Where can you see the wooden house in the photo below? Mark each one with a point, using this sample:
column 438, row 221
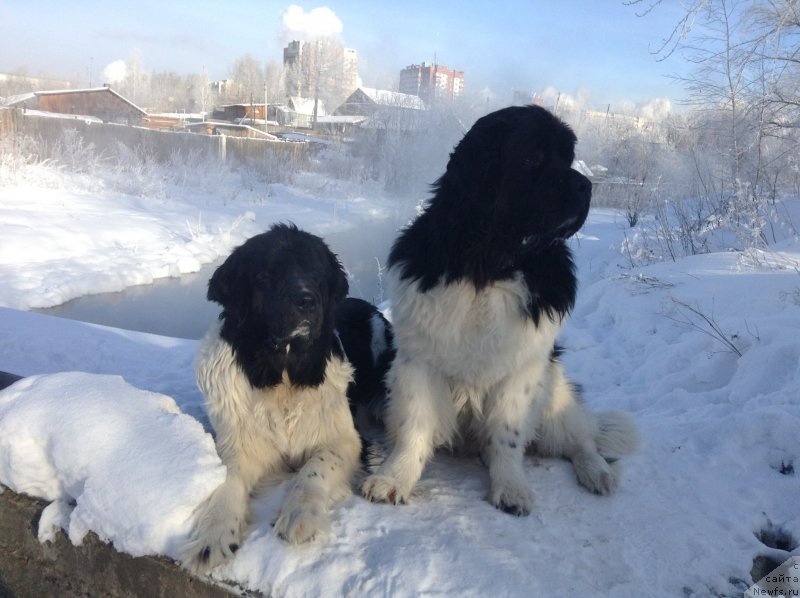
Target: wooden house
column 100, row 102
column 239, row 112
column 384, row 109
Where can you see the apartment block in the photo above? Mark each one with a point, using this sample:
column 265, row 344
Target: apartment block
column 432, row 82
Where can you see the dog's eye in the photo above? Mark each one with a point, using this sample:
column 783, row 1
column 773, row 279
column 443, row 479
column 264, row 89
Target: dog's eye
column 534, row 160
column 304, row 301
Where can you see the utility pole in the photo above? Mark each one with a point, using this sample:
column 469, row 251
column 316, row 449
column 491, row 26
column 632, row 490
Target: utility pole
column 266, row 109
column 203, row 93
column 318, row 74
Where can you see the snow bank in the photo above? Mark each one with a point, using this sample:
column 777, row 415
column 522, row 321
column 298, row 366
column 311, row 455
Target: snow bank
column 122, row 462
column 64, row 236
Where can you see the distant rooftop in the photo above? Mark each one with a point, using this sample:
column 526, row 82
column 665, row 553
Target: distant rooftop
column 393, row 98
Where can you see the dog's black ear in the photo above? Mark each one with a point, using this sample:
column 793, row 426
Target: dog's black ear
column 338, row 281
column 224, row 280
column 475, row 162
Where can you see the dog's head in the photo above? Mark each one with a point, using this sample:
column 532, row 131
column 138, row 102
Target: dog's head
column 278, row 291
column 515, row 168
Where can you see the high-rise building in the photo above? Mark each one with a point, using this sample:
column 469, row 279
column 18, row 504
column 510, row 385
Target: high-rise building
column 320, row 67
column 432, row 82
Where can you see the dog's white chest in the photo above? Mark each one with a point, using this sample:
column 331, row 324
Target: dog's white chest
column 294, row 419
column 471, row 335
column 276, row 426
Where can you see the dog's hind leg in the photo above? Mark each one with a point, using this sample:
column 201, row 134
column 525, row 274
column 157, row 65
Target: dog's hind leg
column 420, row 416
column 567, row 429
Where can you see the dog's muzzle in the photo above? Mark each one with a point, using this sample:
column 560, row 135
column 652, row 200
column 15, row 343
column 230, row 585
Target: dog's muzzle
column 281, row 343
column 302, row 331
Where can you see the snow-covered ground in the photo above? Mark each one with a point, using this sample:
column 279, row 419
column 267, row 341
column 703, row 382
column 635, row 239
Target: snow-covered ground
column 119, row 450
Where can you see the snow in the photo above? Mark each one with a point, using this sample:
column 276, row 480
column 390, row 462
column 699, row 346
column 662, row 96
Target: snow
column 64, row 236
column 77, row 454
column 109, row 426
column 82, row 117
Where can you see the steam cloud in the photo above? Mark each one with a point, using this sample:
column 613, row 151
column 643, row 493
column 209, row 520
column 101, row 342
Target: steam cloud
column 318, row 22
column 115, row 72
column 655, row 109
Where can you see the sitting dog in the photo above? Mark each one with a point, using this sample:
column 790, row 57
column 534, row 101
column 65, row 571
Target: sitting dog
column 480, row 284
column 275, row 377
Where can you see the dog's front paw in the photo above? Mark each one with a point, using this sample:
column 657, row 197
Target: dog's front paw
column 382, row 488
column 217, row 534
column 301, row 524
column 211, row 543
column 595, row 473
column 512, row 497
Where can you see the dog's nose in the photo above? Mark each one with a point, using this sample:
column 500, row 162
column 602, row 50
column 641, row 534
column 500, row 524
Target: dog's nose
column 581, row 186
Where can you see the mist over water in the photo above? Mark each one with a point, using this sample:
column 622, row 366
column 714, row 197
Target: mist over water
column 177, row 307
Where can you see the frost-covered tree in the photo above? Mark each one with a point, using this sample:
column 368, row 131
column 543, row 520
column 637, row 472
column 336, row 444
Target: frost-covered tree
column 274, row 90
column 320, row 69
column 743, row 88
column 248, row 78
column 136, row 84
column 167, row 92
column 197, row 93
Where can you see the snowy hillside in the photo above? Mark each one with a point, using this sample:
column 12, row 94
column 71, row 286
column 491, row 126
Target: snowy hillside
column 704, row 351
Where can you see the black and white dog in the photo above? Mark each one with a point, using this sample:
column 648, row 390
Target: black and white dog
column 480, row 283
column 275, row 378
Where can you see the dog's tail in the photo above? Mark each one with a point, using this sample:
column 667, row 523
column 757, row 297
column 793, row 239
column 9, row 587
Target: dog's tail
column 617, row 434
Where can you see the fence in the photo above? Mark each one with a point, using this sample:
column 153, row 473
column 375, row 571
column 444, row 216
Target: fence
column 8, row 122
column 160, row 145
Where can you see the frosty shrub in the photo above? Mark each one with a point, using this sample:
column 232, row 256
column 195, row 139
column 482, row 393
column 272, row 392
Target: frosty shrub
column 272, row 168
column 16, row 152
column 75, row 153
column 337, row 160
column 742, row 129
column 135, row 171
column 681, row 191
column 185, row 167
column 194, row 168
column 630, row 160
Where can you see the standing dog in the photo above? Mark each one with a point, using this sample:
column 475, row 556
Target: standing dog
column 480, row 284
column 275, row 377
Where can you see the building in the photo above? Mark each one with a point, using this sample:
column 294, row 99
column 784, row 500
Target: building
column 365, row 101
column 321, row 67
column 239, row 112
column 223, row 87
column 299, row 112
column 432, row 82
column 99, row 102
column 384, row 109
